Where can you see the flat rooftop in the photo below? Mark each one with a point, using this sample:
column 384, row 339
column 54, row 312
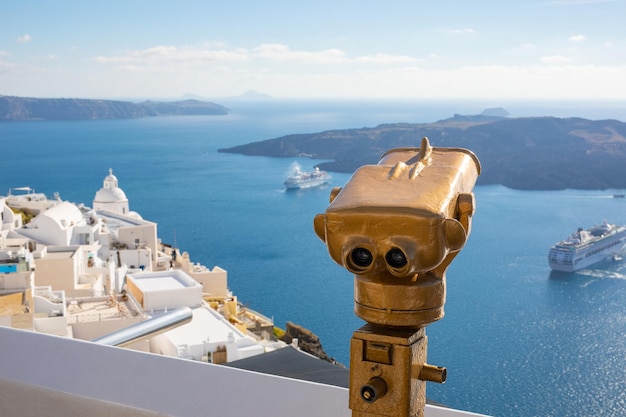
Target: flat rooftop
column 162, row 280
column 207, row 326
column 96, row 310
column 161, row 283
column 114, row 220
column 62, row 254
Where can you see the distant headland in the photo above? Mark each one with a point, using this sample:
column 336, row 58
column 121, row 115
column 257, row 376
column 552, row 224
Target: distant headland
column 533, row 153
column 27, row 108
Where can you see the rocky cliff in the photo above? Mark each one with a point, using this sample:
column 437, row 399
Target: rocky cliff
column 25, row 108
column 307, row 341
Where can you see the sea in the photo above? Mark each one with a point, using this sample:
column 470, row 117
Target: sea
column 516, row 339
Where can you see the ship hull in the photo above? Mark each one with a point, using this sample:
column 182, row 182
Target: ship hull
column 307, row 184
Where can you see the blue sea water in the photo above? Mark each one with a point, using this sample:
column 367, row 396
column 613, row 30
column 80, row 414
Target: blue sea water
column 516, row 340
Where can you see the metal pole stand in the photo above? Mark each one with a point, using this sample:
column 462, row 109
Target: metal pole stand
column 388, row 372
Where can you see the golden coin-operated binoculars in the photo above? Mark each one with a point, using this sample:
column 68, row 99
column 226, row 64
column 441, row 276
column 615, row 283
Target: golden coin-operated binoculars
column 397, row 226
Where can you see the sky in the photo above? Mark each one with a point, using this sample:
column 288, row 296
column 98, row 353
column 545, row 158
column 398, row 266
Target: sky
column 528, row 49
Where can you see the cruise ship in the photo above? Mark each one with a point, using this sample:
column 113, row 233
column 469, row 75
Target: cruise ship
column 99, row 317
column 586, row 247
column 301, row 179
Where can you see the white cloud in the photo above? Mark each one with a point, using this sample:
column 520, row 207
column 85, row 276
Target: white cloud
column 466, row 31
column 555, row 59
column 24, row 38
column 173, row 55
column 280, row 52
column 556, row 81
column 577, row 38
column 548, row 81
column 214, row 69
column 386, row 59
column 133, row 68
column 500, row 81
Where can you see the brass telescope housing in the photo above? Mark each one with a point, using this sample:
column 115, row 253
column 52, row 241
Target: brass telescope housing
column 397, row 226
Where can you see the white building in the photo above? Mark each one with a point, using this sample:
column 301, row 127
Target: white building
column 86, row 273
column 8, row 219
column 164, row 290
column 59, row 226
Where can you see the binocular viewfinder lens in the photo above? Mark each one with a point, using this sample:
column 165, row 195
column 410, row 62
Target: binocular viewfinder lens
column 361, row 257
column 395, row 258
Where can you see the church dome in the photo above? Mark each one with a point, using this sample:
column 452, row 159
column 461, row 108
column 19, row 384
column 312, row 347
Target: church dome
column 111, row 197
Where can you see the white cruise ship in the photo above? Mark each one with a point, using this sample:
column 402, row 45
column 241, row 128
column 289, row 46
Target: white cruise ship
column 301, row 179
column 584, row 248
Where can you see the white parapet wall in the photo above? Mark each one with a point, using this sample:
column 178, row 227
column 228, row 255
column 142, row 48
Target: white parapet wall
column 39, row 371
column 171, row 386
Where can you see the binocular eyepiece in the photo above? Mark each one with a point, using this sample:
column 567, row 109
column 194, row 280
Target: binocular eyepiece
column 362, row 260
